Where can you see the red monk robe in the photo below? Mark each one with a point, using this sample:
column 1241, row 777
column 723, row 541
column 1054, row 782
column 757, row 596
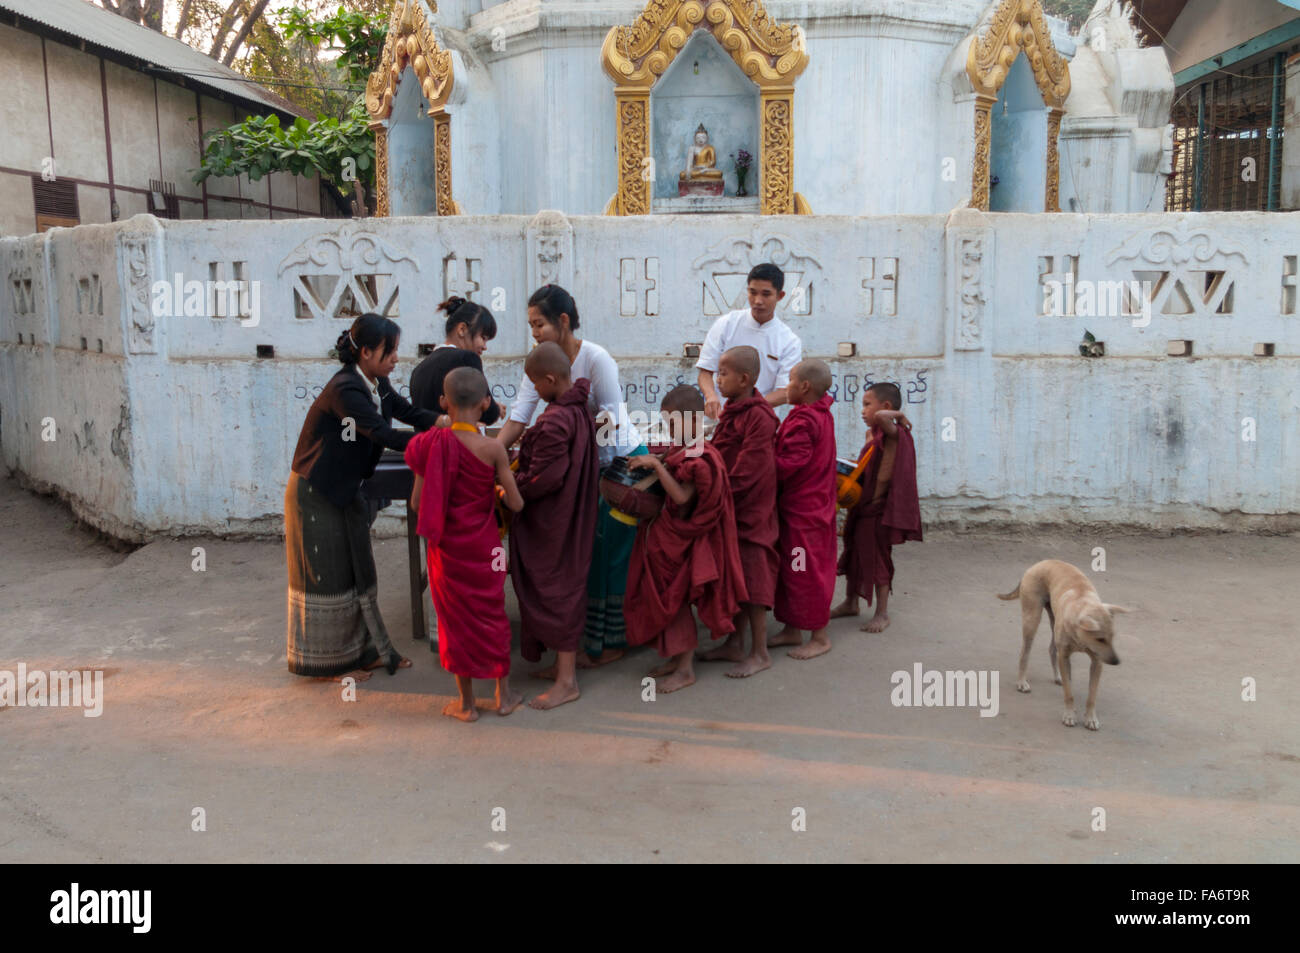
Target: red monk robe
column 686, row 555
column 467, row 572
column 873, row 526
column 551, row 539
column 746, row 438
column 805, row 467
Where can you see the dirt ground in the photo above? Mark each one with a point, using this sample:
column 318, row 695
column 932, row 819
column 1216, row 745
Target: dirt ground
column 200, row 712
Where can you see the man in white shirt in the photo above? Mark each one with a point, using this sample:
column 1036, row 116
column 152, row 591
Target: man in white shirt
column 779, row 348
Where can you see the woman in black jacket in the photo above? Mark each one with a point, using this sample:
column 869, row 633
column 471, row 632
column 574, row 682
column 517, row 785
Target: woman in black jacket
column 334, row 622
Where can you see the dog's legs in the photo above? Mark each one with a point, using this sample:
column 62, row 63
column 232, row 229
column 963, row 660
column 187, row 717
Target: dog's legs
column 1031, row 613
column 1094, row 679
column 1051, row 648
column 1063, row 659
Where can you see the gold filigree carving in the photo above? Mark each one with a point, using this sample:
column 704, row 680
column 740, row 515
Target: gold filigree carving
column 410, row 41
column 980, row 177
column 381, row 172
column 1053, row 203
column 776, row 157
column 801, row 206
column 442, row 164
column 771, row 54
column 633, row 148
column 1013, row 26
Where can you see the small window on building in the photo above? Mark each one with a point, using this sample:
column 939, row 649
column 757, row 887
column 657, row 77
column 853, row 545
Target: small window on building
column 162, row 199
column 56, row 203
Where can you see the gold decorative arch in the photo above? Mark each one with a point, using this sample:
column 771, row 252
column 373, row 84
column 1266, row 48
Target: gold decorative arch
column 1008, row 29
column 771, row 54
column 411, row 41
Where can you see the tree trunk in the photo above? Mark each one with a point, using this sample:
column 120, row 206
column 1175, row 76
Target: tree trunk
column 186, row 8
column 249, row 22
column 153, row 15
column 227, row 19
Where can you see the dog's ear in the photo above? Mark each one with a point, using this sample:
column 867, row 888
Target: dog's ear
column 1114, row 609
column 1088, row 623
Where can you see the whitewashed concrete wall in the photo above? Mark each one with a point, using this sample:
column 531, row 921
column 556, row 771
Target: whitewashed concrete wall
column 177, row 426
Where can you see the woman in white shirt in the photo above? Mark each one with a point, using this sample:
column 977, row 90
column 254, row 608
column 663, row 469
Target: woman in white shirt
column 553, row 316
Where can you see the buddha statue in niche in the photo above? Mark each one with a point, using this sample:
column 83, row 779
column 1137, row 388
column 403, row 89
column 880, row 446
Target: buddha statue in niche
column 701, row 175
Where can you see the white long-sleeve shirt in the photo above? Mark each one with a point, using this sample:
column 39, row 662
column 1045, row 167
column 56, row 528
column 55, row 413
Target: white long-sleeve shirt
column 779, row 348
column 595, row 364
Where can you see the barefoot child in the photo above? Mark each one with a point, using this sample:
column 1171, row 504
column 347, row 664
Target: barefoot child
column 805, row 467
column 687, row 554
column 552, row 539
column 746, row 438
column 888, row 512
column 455, row 471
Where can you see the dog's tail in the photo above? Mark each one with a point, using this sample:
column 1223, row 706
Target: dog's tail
column 1015, row 594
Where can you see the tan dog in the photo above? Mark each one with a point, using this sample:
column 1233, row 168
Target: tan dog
column 1080, row 622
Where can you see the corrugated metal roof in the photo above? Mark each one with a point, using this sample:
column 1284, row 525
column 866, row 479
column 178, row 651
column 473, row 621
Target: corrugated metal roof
column 95, row 25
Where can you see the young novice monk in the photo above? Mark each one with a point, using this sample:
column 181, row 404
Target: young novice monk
column 888, row 512
column 456, row 469
column 746, row 438
column 688, row 553
column 551, row 540
column 805, row 467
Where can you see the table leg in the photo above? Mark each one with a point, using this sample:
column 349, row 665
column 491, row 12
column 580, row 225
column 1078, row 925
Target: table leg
column 416, row 577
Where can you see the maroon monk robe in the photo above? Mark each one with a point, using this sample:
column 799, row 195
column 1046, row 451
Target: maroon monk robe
column 870, row 529
column 746, row 438
column 467, row 575
column 805, row 467
column 551, row 539
column 686, row 555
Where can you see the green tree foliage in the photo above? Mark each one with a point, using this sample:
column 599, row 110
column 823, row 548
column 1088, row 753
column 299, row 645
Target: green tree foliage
column 329, row 59
column 1072, row 11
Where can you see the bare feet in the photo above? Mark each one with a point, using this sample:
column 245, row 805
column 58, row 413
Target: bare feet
column 787, row 636
column 819, row 644
column 845, row 608
column 751, row 665
column 604, row 658
column 877, row 623
column 455, row 709
column 547, row 674
column 729, row 651
column 360, row 675
column 667, row 668
column 557, row 696
column 677, row 679
column 508, row 703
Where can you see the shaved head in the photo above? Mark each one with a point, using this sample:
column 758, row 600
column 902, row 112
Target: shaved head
column 743, row 359
column 548, row 358
column 683, row 399
column 888, row 393
column 815, row 373
column 465, row 388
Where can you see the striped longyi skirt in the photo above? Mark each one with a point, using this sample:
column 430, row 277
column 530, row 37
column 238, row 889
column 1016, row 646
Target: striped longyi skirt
column 334, row 623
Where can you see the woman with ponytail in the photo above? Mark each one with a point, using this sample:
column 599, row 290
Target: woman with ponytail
column 334, row 622
column 469, row 327
column 553, row 316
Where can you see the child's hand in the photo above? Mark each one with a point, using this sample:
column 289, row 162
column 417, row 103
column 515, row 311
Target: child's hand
column 644, row 461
